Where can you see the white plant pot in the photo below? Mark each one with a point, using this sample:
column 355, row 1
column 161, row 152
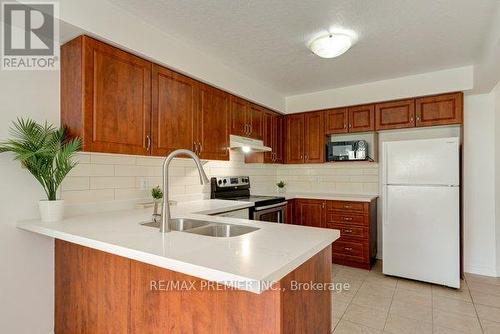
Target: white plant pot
column 51, row 211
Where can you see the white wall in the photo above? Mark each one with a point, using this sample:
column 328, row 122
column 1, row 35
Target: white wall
column 26, row 278
column 456, row 79
column 496, row 97
column 479, row 184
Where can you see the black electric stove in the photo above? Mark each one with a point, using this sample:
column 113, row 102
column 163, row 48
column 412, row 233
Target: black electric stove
column 237, row 188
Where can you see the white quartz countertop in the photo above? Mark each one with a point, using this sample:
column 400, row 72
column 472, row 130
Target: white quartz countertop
column 325, row 196
column 249, row 262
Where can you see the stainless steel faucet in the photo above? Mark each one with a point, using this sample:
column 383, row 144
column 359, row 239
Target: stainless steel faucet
column 165, row 219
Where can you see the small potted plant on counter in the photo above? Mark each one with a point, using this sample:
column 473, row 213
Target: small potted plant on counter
column 157, row 194
column 46, row 152
column 281, row 186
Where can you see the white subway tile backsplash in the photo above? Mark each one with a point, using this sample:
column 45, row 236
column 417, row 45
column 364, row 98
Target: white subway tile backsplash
column 92, row 170
column 82, row 157
column 87, row 196
column 112, row 177
column 125, row 170
column 75, row 183
column 121, row 194
column 112, row 159
column 112, row 182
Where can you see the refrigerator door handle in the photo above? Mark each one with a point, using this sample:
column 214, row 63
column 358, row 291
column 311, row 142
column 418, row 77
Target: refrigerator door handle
column 384, row 206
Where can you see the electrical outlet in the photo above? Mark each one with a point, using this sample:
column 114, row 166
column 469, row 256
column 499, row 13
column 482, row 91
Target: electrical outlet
column 143, row 183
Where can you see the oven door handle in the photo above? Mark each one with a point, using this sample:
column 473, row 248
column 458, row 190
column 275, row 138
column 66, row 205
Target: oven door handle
column 260, row 208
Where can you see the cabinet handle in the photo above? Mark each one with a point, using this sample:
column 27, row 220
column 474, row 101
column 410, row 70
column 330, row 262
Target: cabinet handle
column 347, row 206
column 411, row 119
column 418, row 118
column 323, row 205
column 250, row 129
column 348, row 231
column 350, row 125
column 347, row 218
column 345, row 126
column 148, row 143
column 348, row 249
column 200, row 147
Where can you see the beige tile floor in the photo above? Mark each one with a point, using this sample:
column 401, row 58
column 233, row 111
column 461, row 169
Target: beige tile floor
column 376, row 303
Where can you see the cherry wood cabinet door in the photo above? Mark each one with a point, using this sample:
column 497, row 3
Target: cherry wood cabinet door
column 174, row 109
column 314, row 138
column 336, row 121
column 239, row 111
column 278, row 148
column 269, row 136
column 294, row 139
column 310, row 212
column 213, row 123
column 395, row 115
column 440, row 109
column 362, row 118
column 117, row 100
column 256, row 121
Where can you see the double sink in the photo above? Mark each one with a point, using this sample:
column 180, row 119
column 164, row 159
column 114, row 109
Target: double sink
column 206, row 228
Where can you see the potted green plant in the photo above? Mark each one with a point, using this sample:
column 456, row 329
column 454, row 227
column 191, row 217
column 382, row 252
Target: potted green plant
column 46, row 152
column 281, row 186
column 157, row 195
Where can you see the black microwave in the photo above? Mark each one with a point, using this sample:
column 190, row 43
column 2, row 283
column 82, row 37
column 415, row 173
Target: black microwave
column 347, row 150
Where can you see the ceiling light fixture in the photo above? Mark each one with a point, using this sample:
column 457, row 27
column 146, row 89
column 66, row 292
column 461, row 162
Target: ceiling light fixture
column 330, row 46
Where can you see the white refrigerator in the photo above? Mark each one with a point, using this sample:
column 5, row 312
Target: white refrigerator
column 421, row 210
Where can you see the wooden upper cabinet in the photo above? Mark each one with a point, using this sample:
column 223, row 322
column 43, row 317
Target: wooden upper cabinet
column 336, row 121
column 294, row 139
column 278, row 148
column 106, row 97
column 439, row 110
column 239, row 116
column 269, row 137
column 247, row 119
column 213, row 123
column 174, row 111
column 256, row 121
column 314, row 137
column 362, row 118
column 395, row 114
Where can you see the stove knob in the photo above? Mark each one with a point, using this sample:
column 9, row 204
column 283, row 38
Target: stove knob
column 225, row 181
column 219, row 182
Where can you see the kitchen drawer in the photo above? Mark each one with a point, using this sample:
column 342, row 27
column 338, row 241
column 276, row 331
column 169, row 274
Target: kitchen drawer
column 339, row 218
column 350, row 231
column 347, row 206
column 350, row 250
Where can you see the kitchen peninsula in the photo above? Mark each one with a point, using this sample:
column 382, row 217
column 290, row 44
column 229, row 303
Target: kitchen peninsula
column 114, row 275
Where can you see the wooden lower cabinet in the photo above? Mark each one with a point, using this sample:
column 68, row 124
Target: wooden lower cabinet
column 98, row 292
column 310, row 212
column 356, row 221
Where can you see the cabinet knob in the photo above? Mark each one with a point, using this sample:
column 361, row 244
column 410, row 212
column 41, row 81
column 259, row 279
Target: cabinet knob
column 418, row 118
column 350, row 125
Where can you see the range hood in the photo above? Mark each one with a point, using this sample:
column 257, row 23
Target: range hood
column 247, row 144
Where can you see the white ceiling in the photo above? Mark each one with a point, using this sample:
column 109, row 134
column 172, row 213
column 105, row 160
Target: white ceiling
column 266, row 39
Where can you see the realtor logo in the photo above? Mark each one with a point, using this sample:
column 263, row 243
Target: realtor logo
column 30, row 36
